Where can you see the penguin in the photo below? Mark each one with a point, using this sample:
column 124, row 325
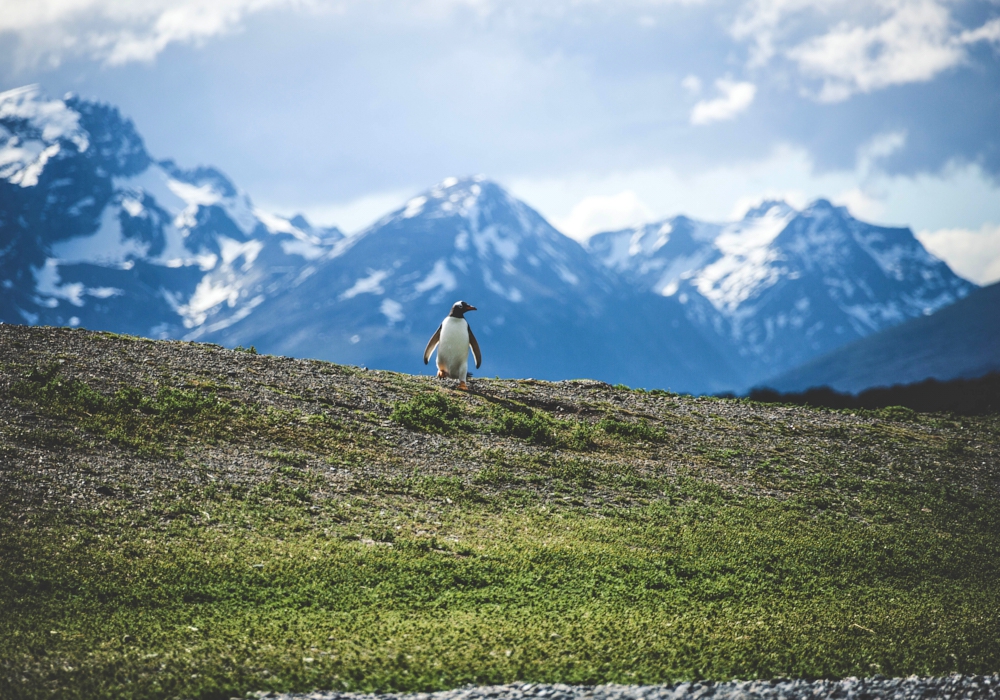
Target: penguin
column 452, row 339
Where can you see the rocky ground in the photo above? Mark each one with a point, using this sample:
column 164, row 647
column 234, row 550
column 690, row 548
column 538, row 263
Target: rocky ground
column 735, row 444
column 913, row 688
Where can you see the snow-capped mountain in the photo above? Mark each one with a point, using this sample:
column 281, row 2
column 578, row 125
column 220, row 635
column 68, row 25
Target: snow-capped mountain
column 94, row 232
column 782, row 286
column 547, row 309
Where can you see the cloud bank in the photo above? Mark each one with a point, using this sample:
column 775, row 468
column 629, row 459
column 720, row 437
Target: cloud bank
column 117, row 32
column 902, row 41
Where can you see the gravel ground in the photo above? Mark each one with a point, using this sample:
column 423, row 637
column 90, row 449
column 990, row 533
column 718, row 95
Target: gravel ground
column 721, row 441
column 949, row 687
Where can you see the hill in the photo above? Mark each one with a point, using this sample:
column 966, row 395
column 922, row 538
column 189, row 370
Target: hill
column 179, row 519
column 961, row 341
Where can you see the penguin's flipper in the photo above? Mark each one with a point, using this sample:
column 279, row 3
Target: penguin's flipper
column 431, row 344
column 475, row 348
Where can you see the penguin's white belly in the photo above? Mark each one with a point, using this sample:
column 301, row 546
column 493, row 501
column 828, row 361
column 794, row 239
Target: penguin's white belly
column 453, row 348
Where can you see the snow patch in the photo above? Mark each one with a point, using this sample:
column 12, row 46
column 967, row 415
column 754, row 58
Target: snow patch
column 372, row 284
column 238, row 208
column 490, row 237
column 49, row 287
column 747, row 264
column 47, row 284
column 133, row 207
column 23, row 164
column 566, row 276
column 513, row 294
column 277, row 224
column 231, row 250
column 153, row 181
column 440, row 277
column 209, row 294
column 414, row 207
column 240, row 314
column 304, row 249
column 22, row 161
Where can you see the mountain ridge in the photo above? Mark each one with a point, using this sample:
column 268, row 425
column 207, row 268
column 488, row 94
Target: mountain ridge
column 98, row 233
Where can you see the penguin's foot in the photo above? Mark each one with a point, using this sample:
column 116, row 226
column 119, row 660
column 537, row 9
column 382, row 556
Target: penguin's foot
column 442, row 374
column 463, row 386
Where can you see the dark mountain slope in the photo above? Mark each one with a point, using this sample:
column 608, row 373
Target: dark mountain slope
column 958, row 341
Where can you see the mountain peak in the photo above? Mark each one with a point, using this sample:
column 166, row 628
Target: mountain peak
column 769, row 207
column 824, row 207
column 39, row 128
column 464, row 197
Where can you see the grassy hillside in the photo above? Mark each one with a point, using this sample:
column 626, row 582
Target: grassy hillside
column 185, row 520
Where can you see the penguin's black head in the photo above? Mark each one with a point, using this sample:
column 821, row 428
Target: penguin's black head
column 460, row 307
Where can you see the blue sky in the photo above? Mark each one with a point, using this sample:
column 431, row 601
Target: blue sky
column 599, row 113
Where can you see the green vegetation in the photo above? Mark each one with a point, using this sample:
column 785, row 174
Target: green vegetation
column 128, row 417
column 372, row 531
column 521, row 422
column 430, row 412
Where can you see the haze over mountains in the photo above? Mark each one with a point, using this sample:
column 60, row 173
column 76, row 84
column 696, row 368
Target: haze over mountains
column 95, row 232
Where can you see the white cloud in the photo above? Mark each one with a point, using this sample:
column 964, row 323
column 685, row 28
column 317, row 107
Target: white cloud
column 692, row 84
column 864, row 205
column 988, row 32
column 120, row 31
column 960, row 196
column 351, row 216
column 902, row 41
column 603, row 213
column 972, row 254
column 913, row 44
column 880, row 146
column 736, row 98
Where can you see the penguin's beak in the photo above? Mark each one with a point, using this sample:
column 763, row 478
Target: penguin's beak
column 470, row 307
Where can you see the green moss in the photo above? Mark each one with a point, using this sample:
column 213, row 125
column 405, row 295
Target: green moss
column 403, row 598
column 534, row 427
column 129, row 417
column 292, row 459
column 429, row 412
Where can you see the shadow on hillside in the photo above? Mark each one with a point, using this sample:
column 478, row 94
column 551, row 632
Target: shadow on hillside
column 971, row 397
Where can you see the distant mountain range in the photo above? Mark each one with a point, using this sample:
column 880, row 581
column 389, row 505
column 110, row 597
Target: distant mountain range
column 94, row 232
column 961, row 341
